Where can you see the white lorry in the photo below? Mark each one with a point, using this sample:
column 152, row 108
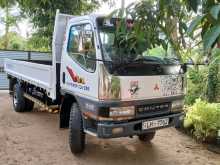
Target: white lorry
column 97, row 92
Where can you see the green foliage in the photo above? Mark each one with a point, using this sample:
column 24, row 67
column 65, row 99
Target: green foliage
column 143, row 35
column 16, row 42
column 204, row 81
column 214, row 11
column 196, row 84
column 211, row 36
column 159, row 23
column 215, row 56
column 6, row 3
column 9, row 20
column 38, row 43
column 193, row 4
column 193, row 25
column 213, row 84
column 157, row 52
column 42, row 12
column 203, row 120
column 208, row 22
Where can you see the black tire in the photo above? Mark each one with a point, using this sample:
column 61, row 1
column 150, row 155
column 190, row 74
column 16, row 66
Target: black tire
column 12, row 83
column 20, row 103
column 179, row 124
column 147, row 137
column 29, row 105
column 76, row 133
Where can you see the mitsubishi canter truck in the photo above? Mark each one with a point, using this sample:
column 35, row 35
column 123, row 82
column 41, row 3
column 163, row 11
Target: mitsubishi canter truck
column 97, row 91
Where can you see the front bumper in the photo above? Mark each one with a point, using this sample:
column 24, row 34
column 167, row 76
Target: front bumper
column 105, row 130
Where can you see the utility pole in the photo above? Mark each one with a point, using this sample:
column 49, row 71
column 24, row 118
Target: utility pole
column 122, row 11
column 122, row 4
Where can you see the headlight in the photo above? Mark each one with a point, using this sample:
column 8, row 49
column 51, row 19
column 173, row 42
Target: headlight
column 122, row 111
column 177, row 105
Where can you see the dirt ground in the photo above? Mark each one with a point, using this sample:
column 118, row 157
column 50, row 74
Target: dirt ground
column 35, row 139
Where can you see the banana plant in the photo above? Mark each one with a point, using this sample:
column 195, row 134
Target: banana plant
column 206, row 21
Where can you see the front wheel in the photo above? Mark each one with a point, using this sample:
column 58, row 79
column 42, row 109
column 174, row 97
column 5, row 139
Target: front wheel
column 147, row 137
column 76, row 133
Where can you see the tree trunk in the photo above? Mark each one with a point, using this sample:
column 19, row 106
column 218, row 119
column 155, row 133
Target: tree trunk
column 218, row 45
column 7, row 24
column 172, row 30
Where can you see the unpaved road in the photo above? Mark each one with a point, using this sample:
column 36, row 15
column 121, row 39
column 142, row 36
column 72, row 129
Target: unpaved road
column 35, row 139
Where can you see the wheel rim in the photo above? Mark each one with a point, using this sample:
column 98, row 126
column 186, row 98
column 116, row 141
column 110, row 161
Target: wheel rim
column 15, row 99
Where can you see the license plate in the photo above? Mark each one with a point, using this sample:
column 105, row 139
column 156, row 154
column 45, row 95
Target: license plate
column 155, row 123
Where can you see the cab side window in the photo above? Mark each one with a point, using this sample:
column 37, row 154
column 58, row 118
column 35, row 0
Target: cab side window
column 81, row 47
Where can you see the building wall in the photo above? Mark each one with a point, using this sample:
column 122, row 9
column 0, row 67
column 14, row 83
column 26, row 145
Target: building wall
column 22, row 55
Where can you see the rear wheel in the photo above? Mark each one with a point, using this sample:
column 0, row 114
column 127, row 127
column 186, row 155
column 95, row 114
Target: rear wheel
column 147, row 137
column 12, row 83
column 76, row 133
column 20, row 103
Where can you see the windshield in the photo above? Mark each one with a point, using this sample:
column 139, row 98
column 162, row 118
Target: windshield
column 107, row 40
column 118, row 48
column 110, row 51
column 120, row 55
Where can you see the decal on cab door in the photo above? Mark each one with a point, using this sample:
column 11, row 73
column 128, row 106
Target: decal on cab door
column 77, row 81
column 75, row 77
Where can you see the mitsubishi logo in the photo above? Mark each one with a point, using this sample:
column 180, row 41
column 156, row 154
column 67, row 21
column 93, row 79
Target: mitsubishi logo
column 156, row 87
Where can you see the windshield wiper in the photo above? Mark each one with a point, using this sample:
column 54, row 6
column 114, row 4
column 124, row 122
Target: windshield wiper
column 172, row 60
column 149, row 60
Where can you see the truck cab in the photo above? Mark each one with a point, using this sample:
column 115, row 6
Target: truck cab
column 99, row 90
column 118, row 98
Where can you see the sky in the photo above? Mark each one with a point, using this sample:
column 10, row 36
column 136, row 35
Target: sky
column 24, row 27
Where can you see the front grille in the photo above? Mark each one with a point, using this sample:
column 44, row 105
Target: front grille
column 152, row 109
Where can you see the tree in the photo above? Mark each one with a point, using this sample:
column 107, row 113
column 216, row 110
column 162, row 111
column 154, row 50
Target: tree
column 42, row 12
column 9, row 20
column 207, row 21
column 38, row 43
column 161, row 22
column 15, row 42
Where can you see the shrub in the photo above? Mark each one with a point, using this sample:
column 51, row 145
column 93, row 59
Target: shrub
column 204, row 81
column 196, row 84
column 203, row 120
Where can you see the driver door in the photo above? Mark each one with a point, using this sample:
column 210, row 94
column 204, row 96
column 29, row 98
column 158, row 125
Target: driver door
column 78, row 68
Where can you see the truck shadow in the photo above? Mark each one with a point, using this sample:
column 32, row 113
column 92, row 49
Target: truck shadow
column 129, row 151
column 120, row 151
